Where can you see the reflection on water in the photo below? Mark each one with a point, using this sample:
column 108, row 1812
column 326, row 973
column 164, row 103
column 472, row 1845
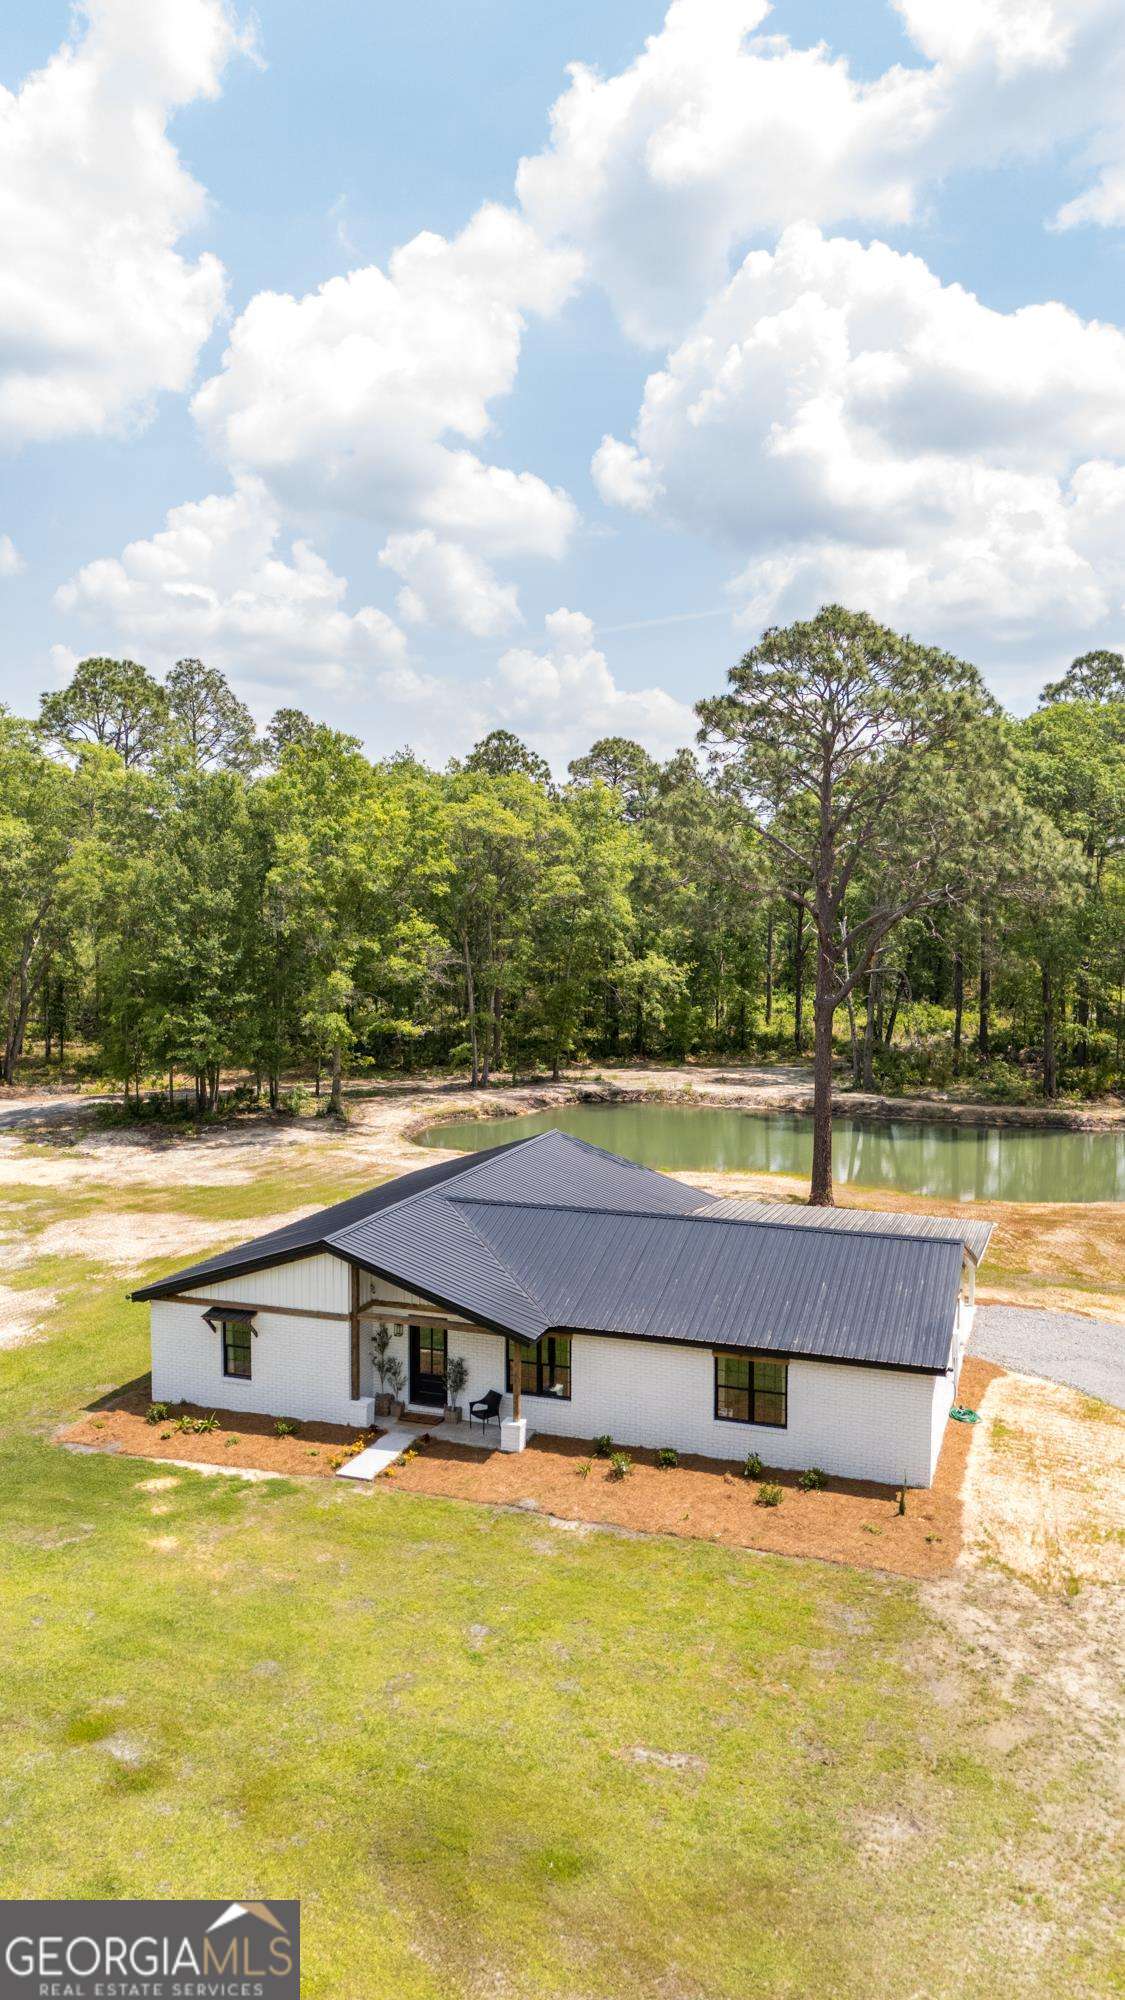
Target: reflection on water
column 959, row 1163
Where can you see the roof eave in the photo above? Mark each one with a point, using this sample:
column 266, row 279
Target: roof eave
column 191, row 1275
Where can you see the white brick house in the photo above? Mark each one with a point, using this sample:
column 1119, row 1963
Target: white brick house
column 616, row 1299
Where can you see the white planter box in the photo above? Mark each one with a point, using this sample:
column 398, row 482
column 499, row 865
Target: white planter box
column 513, row 1434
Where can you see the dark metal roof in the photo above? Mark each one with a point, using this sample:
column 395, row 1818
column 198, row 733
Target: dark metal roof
column 868, row 1221
column 311, row 1232
column 886, row 1300
column 553, row 1233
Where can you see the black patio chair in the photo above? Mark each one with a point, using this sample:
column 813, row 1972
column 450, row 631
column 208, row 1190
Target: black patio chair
column 487, row 1408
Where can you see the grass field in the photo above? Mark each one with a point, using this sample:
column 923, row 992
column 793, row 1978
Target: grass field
column 493, row 1757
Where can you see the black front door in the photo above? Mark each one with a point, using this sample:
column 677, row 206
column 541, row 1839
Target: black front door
column 427, row 1366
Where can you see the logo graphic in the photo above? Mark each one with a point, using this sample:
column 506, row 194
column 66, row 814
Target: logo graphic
column 235, row 1910
column 150, row 1950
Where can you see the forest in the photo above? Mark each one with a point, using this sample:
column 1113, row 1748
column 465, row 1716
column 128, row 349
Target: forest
column 862, row 854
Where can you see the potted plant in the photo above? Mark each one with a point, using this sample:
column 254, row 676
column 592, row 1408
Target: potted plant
column 389, row 1370
column 456, row 1379
column 394, row 1384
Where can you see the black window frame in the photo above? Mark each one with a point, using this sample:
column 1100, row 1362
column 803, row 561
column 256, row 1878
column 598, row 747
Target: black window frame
column 752, row 1362
column 228, row 1324
column 541, row 1355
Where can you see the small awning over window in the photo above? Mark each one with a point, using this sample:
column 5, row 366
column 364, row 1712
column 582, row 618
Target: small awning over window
column 217, row 1316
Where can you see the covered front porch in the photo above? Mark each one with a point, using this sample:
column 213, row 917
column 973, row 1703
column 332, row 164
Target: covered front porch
column 423, row 1363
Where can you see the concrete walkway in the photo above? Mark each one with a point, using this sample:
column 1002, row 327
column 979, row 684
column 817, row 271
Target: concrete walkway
column 1086, row 1354
column 375, row 1458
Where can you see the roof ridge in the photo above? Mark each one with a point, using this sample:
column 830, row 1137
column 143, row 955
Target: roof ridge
column 674, row 1215
column 829, row 1229
column 518, row 1283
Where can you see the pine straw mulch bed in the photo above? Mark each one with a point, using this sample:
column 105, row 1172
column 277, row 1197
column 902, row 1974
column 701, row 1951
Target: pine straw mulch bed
column 118, row 1424
column 850, row 1521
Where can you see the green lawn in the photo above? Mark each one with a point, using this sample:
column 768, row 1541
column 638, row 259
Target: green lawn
column 422, row 1717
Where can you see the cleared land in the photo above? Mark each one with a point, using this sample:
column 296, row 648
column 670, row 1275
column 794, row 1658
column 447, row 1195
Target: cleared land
column 496, row 1757
column 1066, row 1256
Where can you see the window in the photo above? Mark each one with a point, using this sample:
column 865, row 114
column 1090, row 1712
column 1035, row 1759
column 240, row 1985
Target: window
column 544, row 1369
column 237, row 1334
column 751, row 1392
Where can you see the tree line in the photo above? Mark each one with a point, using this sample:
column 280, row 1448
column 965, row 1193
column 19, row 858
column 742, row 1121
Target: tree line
column 860, row 837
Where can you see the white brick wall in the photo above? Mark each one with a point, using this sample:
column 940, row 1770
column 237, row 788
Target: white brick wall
column 860, row 1423
column 301, row 1367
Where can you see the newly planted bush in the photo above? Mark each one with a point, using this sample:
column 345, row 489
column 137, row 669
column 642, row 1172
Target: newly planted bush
column 753, row 1466
column 768, row 1496
column 285, row 1427
column 603, row 1445
column 156, row 1413
column 812, row 1481
column 620, row 1465
column 667, row 1457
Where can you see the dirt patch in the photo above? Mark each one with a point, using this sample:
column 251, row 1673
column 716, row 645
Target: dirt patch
column 126, row 1240
column 22, row 1314
column 1063, row 1254
column 240, row 1441
column 851, row 1521
column 667, row 1760
column 1046, row 1493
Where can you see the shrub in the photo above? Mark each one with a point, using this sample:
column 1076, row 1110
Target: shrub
column 812, row 1481
column 603, row 1446
column 156, row 1413
column 667, row 1457
column 293, row 1101
column 584, row 1467
column 285, row 1427
column 202, row 1424
column 753, row 1466
column 768, row 1496
column 620, row 1465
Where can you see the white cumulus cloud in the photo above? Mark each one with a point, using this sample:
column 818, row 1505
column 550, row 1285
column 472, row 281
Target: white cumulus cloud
column 559, row 697
column 719, row 134
column 11, row 561
column 99, row 310
column 216, row 582
column 445, row 584
column 854, row 428
column 368, row 395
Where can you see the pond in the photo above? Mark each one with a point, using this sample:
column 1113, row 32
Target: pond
column 956, row 1163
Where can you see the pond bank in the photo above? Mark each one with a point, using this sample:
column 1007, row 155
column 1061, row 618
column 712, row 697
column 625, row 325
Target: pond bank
column 1064, row 1256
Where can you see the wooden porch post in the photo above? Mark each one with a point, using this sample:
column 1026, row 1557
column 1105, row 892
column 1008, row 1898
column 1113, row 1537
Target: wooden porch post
column 517, row 1381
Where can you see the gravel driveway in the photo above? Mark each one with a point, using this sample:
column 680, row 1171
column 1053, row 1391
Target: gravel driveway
column 1087, row 1354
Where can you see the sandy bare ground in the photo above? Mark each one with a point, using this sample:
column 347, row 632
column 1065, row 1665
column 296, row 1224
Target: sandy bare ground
column 1045, row 1493
column 126, row 1241
column 50, row 1142
column 22, row 1314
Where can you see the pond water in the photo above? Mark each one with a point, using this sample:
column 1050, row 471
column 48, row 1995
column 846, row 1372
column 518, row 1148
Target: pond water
column 957, row 1163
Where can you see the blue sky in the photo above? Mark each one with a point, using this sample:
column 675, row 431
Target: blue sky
column 841, row 286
